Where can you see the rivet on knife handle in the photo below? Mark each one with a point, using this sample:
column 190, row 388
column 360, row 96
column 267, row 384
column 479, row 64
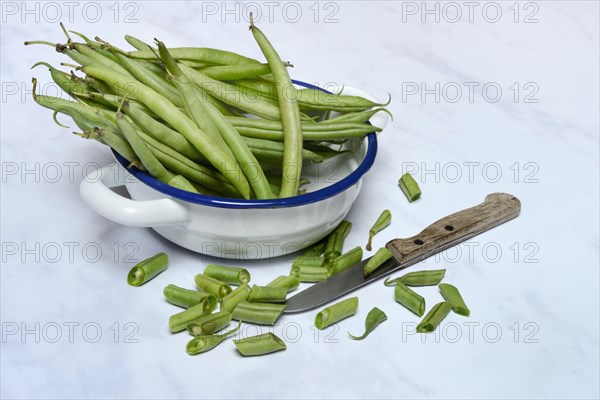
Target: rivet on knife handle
column 448, row 231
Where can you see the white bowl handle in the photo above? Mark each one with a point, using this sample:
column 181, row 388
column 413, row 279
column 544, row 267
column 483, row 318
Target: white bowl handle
column 380, row 119
column 95, row 191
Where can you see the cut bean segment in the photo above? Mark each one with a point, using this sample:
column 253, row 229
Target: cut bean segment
column 231, row 275
column 380, row 257
column 335, row 241
column 345, row 261
column 374, row 318
column 259, row 345
column 202, row 344
column 309, row 273
column 452, row 296
column 148, row 269
column 336, row 312
column 258, row 313
column 409, row 299
column 209, row 324
column 187, row 298
column 418, row 278
column 179, row 322
column 309, row 261
column 410, row 187
column 288, row 282
column 382, row 222
column 434, row 317
column 230, row 301
column 267, row 294
column 212, row 286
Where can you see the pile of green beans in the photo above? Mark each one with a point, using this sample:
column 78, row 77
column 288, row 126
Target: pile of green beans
column 203, row 120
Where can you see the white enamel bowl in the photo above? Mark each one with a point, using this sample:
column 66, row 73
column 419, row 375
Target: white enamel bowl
column 232, row 228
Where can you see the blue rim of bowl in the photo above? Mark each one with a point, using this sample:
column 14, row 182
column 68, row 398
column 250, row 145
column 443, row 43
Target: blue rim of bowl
column 224, row 202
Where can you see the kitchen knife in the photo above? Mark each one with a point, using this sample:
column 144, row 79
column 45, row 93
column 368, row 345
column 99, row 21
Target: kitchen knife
column 447, row 232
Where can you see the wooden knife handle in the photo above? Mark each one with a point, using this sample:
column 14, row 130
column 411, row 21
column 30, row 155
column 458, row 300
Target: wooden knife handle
column 455, row 228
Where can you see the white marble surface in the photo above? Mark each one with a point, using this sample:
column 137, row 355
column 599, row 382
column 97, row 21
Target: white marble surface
column 547, row 292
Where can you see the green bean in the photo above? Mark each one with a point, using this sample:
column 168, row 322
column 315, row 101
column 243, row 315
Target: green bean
column 335, row 241
column 382, row 222
column 267, row 294
column 197, row 110
column 231, row 301
column 212, row 286
column 192, row 171
column 289, row 282
column 419, row 278
column 168, row 112
column 345, row 261
column 114, row 141
column 187, row 298
column 202, row 344
column 336, row 312
column 207, row 191
column 271, row 125
column 137, row 43
column 162, row 133
column 149, row 161
column 64, row 81
column 381, row 256
column 356, row 116
column 62, row 48
column 231, row 95
column 150, row 79
column 410, row 187
column 374, row 318
column 56, row 103
column 195, row 107
column 231, row 275
column 179, row 322
column 313, row 99
column 258, row 313
column 113, row 101
column 309, row 273
column 434, row 317
column 409, row 299
column 235, row 72
column 148, row 269
column 243, row 154
column 99, row 58
column 201, row 54
column 259, row 133
column 259, row 345
column 452, row 296
column 182, row 183
column 209, row 324
column 274, row 151
column 290, row 116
